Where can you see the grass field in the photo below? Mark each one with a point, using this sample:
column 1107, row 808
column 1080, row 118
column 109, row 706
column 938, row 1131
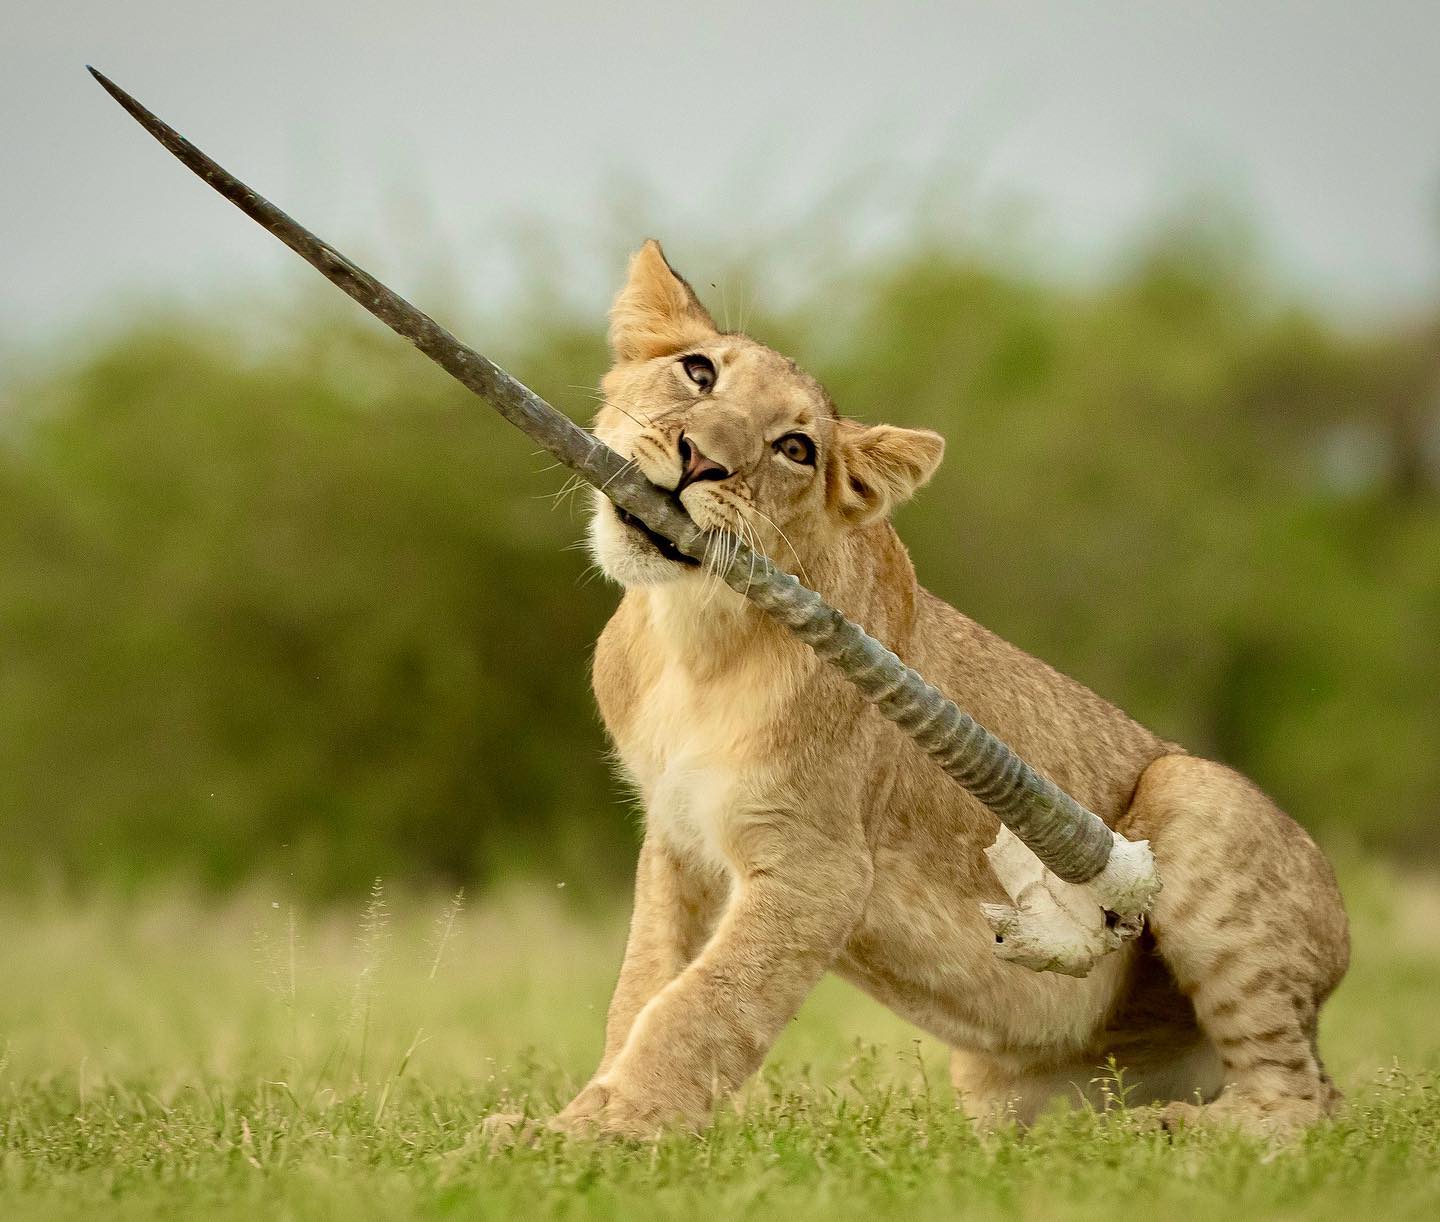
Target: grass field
column 169, row 1058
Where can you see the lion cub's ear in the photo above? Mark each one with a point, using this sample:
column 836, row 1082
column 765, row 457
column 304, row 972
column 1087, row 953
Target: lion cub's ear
column 881, row 467
column 656, row 313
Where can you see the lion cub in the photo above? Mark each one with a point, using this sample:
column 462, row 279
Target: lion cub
column 790, row 831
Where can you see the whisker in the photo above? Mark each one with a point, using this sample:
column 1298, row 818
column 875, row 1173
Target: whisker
column 568, row 488
column 800, row 564
column 624, row 405
column 718, row 542
column 628, row 464
column 710, row 567
column 752, row 543
column 625, row 411
column 735, row 544
column 728, row 544
column 644, row 424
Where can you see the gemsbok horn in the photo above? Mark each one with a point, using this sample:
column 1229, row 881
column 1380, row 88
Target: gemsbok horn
column 1099, row 886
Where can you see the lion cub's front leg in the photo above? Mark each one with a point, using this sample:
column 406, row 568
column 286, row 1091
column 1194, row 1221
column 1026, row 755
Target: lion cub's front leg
column 674, row 911
column 796, row 895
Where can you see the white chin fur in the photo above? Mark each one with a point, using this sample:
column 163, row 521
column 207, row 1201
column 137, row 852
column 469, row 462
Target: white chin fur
column 622, row 555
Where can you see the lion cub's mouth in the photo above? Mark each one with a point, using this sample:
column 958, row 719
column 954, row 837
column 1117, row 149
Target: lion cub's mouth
column 659, row 542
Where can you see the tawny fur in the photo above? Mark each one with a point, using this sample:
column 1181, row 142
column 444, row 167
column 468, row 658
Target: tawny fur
column 790, row 831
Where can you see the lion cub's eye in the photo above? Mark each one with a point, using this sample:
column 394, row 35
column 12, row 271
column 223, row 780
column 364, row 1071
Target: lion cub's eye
column 797, row 448
column 699, row 369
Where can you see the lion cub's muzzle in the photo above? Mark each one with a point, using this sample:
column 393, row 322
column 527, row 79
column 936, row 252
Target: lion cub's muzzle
column 678, row 461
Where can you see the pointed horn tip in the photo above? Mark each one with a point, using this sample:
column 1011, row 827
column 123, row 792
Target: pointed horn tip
column 138, row 112
column 106, row 83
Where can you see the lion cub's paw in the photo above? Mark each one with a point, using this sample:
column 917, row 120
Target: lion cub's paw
column 606, row 1110
column 1170, row 1117
column 1278, row 1121
column 503, row 1130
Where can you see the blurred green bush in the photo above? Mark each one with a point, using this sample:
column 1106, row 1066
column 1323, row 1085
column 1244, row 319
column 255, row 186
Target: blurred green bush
column 300, row 607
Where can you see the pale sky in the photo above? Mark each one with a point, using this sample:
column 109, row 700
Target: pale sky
column 441, row 131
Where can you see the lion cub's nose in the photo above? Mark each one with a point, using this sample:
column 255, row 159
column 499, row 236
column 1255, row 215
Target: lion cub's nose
column 696, row 466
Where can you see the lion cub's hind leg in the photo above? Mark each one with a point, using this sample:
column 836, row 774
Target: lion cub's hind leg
column 1251, row 925
column 1149, row 1058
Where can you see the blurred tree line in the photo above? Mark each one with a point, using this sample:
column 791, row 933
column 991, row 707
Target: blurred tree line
column 299, row 607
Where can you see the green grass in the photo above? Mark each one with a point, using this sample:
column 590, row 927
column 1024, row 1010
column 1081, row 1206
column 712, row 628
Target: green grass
column 172, row 1058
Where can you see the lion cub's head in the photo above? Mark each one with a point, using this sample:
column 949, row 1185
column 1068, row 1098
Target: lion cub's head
column 749, row 442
